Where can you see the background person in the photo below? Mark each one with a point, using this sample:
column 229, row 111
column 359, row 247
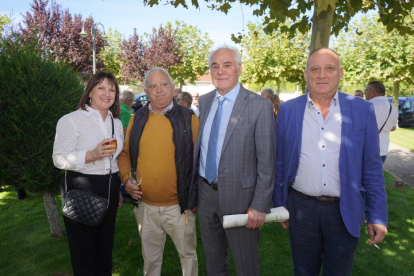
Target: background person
column 385, row 113
column 359, row 93
column 322, row 169
column 80, row 149
column 185, row 99
column 269, row 94
column 159, row 143
column 127, row 99
column 234, row 157
column 195, row 98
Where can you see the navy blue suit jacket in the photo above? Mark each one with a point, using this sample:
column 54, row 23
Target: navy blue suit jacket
column 360, row 165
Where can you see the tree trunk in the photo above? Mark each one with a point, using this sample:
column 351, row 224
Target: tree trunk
column 278, row 87
column 396, row 92
column 52, row 215
column 322, row 23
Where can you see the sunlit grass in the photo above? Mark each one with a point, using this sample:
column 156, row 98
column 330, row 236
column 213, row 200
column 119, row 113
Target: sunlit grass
column 25, row 235
column 403, row 137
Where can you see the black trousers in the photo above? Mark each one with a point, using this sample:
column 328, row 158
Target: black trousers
column 91, row 247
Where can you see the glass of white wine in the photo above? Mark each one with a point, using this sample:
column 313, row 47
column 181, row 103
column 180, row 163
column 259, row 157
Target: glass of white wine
column 134, row 179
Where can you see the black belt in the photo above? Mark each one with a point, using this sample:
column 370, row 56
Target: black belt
column 320, row 199
column 213, row 185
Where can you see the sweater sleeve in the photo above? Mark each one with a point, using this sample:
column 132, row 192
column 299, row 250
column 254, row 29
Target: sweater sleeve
column 194, row 127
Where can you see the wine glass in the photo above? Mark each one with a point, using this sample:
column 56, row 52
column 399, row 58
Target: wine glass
column 134, row 179
column 113, row 142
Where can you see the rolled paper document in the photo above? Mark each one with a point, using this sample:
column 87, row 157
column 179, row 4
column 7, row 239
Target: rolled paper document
column 278, row 214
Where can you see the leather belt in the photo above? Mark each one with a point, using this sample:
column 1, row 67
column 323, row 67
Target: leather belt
column 320, row 199
column 213, row 185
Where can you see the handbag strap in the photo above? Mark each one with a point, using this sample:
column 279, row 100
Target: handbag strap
column 110, row 170
column 386, row 119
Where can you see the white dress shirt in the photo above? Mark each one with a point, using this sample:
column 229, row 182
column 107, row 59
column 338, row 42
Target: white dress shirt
column 318, row 171
column 195, row 109
column 228, row 104
column 382, row 109
column 81, row 131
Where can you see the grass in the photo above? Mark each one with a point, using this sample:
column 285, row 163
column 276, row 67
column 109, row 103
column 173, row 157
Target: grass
column 26, row 247
column 403, row 137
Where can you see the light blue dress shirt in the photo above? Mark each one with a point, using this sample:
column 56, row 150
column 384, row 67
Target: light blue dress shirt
column 318, row 171
column 230, row 99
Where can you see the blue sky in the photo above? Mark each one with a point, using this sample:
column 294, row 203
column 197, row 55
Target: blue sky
column 125, row 15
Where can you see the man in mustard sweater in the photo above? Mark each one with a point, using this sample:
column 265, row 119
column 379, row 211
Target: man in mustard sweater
column 159, row 142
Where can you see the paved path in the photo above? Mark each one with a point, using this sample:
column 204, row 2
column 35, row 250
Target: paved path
column 400, row 163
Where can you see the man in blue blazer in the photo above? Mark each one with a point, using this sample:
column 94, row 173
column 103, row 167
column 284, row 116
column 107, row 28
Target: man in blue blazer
column 327, row 159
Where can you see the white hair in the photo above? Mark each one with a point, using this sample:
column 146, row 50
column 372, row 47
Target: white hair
column 234, row 49
column 152, row 70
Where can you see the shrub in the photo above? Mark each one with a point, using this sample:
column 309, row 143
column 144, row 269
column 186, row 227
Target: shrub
column 34, row 93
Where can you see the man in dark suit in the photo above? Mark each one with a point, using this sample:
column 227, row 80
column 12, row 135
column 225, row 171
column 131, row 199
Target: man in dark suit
column 234, row 157
column 327, row 157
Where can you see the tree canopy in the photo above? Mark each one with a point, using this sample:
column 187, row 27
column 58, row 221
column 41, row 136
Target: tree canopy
column 373, row 53
column 329, row 16
column 194, row 47
column 138, row 56
column 58, row 33
column 273, row 57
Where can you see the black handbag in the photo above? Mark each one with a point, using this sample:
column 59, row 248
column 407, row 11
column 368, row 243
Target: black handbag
column 85, row 207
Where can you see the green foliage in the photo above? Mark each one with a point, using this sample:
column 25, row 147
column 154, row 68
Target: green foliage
column 34, row 93
column 110, row 55
column 403, row 137
column 194, row 46
column 4, row 20
column 273, row 57
column 275, row 13
column 370, row 52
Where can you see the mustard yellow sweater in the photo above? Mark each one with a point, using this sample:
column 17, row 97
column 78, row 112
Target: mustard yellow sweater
column 156, row 159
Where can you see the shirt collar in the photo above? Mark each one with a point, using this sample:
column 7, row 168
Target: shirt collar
column 334, row 101
column 89, row 111
column 232, row 95
column 164, row 111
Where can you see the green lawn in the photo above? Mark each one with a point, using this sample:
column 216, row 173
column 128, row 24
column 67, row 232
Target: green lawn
column 403, row 137
column 26, row 247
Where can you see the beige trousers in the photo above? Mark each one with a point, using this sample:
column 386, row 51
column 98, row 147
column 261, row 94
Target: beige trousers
column 154, row 222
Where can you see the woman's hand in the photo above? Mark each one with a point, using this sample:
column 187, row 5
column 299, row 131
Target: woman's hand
column 102, row 150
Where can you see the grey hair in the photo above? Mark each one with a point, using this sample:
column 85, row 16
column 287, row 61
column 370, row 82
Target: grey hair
column 322, row 48
column 234, row 49
column 152, row 70
column 187, row 97
column 268, row 91
column 127, row 96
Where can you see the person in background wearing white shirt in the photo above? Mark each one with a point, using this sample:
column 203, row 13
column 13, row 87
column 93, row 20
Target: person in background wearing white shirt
column 385, row 113
column 81, row 148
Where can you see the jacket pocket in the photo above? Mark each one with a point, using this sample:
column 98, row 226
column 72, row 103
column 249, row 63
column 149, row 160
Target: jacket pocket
column 247, row 182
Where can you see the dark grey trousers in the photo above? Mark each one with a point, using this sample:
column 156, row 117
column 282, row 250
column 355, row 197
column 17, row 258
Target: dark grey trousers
column 243, row 242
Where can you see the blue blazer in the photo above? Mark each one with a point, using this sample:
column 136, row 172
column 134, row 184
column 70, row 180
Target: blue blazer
column 360, row 165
